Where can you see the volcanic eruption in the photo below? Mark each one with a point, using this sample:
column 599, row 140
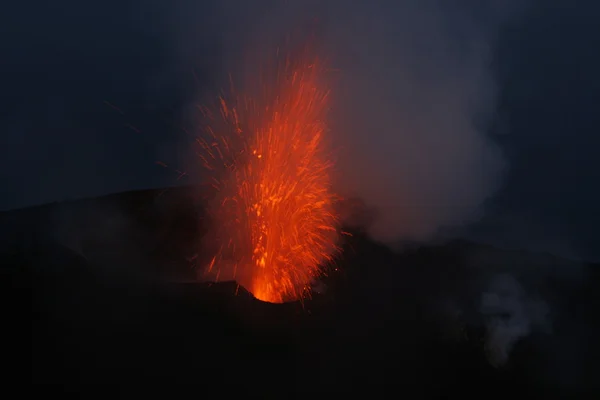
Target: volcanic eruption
column 272, row 206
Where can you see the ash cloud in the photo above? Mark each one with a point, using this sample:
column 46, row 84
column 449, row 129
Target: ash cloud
column 414, row 98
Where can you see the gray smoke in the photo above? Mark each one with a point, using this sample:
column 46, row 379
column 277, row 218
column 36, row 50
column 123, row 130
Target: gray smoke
column 417, row 84
column 414, row 97
column 510, row 314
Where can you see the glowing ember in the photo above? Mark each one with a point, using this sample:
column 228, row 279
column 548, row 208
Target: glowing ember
column 273, row 207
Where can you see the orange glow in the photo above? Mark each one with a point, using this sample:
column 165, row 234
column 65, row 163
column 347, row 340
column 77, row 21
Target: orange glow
column 273, row 206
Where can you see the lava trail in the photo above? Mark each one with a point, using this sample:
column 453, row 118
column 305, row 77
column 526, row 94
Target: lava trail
column 275, row 227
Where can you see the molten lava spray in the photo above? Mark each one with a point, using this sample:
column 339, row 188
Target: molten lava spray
column 273, row 206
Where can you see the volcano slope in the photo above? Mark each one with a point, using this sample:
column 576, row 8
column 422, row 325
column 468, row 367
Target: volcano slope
column 102, row 291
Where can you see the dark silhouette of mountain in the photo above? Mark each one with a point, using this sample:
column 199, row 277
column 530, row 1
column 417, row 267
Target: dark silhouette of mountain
column 107, row 287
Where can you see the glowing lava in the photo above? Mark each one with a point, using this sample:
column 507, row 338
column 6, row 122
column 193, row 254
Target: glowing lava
column 273, row 206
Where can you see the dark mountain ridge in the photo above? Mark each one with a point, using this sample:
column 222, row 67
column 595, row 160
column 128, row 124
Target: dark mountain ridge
column 113, row 299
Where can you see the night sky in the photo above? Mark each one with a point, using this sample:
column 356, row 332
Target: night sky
column 548, row 128
column 61, row 63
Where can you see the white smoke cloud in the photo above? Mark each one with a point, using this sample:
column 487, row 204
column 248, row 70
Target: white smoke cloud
column 413, row 98
column 510, row 314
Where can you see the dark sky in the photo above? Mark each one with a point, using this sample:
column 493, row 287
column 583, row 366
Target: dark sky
column 61, row 62
column 548, row 127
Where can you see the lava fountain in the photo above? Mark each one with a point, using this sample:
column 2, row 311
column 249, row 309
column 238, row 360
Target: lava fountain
column 272, row 208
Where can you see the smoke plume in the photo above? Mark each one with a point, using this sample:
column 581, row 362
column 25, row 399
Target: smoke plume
column 414, row 97
column 510, row 315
